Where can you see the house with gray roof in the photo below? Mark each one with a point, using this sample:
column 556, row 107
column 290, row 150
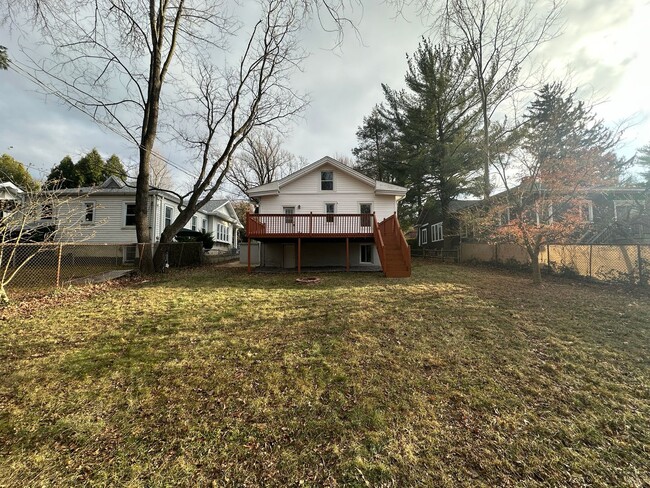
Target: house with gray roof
column 106, row 214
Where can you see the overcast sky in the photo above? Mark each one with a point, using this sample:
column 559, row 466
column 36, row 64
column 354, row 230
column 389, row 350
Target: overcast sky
column 603, row 52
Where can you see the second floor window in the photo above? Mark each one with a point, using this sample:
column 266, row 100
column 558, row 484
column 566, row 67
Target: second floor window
column 327, row 180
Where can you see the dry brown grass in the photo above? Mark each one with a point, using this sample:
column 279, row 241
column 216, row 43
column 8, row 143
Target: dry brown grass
column 454, row 377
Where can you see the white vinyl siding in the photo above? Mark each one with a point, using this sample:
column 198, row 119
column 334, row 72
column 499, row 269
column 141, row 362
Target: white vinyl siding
column 348, row 190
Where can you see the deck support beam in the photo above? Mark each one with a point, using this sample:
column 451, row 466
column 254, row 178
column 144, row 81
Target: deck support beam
column 347, row 254
column 299, row 253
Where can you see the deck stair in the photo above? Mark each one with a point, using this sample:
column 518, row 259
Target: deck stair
column 394, row 252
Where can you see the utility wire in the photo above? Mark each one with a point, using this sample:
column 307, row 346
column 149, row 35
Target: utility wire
column 24, row 73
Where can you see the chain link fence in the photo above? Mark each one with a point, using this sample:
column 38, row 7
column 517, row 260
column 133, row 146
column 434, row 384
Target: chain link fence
column 40, row 267
column 613, row 264
column 625, row 264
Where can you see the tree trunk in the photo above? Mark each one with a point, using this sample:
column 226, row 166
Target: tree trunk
column 537, row 273
column 142, row 230
column 486, row 162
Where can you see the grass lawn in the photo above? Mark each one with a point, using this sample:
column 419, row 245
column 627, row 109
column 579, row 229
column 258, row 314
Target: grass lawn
column 454, row 377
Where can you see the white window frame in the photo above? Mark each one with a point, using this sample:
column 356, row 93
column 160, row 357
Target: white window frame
column 195, row 221
column 125, row 214
column 626, row 203
column 371, row 254
column 171, row 216
column 424, row 233
column 204, row 225
column 436, row 232
column 330, row 215
column 93, row 207
column 324, row 181
column 126, row 253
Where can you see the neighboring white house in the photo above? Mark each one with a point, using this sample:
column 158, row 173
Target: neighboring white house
column 106, row 214
column 10, row 195
column 326, row 214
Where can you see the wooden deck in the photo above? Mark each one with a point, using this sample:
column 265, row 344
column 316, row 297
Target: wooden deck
column 279, row 226
column 394, row 252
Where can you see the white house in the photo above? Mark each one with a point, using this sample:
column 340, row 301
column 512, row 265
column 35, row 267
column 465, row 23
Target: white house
column 327, row 214
column 106, row 214
column 10, row 195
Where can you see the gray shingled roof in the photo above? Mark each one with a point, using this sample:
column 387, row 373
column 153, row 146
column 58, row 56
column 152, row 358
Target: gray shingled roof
column 213, row 205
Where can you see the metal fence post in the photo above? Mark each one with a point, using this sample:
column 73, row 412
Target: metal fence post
column 548, row 258
column 591, row 248
column 58, row 266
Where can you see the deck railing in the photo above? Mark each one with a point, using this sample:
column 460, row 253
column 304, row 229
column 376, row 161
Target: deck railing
column 310, row 225
column 379, row 243
column 391, row 225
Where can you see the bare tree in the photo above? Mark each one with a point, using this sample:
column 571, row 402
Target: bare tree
column 125, row 63
column 229, row 106
column 502, row 36
column 261, row 159
column 159, row 174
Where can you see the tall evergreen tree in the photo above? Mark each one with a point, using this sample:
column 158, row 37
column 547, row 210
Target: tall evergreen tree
column 376, row 154
column 560, row 131
column 90, row 169
column 436, row 118
column 113, row 167
column 64, row 174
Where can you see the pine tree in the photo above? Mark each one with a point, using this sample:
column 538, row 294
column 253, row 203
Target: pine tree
column 64, row 175
column 436, row 120
column 377, row 149
column 113, row 167
column 90, row 169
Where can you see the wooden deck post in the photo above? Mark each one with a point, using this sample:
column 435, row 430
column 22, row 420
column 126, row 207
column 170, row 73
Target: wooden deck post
column 248, row 246
column 299, row 253
column 310, row 222
column 347, row 254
